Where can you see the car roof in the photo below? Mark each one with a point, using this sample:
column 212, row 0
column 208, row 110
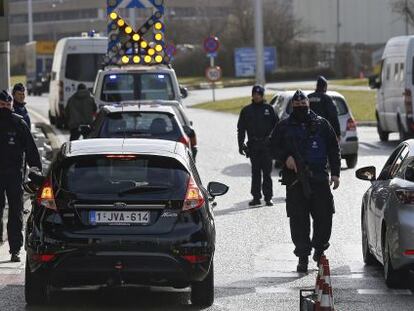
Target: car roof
column 119, row 146
column 151, row 102
column 141, row 107
column 137, row 68
column 307, row 92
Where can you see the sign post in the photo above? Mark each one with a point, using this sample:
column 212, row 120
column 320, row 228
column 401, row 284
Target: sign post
column 4, row 46
column 213, row 73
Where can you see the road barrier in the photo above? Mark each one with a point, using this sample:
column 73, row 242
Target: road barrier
column 320, row 298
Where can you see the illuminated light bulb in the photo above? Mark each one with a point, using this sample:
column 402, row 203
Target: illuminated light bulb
column 121, row 23
column 128, row 30
column 158, row 37
column 136, row 59
column 158, row 26
column 158, row 47
column 147, row 59
column 144, row 44
column 158, row 58
column 151, row 52
column 125, row 59
column 113, row 16
column 136, row 37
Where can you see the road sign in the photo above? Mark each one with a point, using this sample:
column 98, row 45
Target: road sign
column 211, row 44
column 245, row 61
column 213, row 74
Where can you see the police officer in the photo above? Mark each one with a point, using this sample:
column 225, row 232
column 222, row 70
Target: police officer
column 258, row 120
column 306, row 143
column 19, row 103
column 323, row 105
column 16, row 143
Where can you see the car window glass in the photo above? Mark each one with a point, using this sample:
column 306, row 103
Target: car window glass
column 341, row 107
column 83, row 67
column 388, row 72
column 397, row 163
column 402, row 72
column 396, row 72
column 386, row 170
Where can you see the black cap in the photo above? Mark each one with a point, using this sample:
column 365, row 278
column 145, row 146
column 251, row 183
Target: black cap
column 18, row 87
column 5, row 96
column 321, row 82
column 258, row 89
column 299, row 95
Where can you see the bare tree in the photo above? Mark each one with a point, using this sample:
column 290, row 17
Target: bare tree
column 405, row 8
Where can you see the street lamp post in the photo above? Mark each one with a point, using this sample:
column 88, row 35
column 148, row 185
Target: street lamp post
column 258, row 36
column 30, row 19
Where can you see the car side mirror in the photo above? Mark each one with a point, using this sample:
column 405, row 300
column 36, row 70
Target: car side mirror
column 188, row 130
column 366, row 173
column 374, row 82
column 409, row 174
column 85, row 129
column 216, row 189
column 184, row 92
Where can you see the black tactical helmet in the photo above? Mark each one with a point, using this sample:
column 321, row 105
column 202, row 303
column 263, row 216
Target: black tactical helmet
column 258, row 89
column 5, row 96
column 299, row 95
column 321, row 82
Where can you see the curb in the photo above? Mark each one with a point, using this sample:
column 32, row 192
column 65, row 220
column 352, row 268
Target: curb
column 366, row 123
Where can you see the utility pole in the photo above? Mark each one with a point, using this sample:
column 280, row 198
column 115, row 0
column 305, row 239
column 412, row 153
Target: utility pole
column 30, row 19
column 4, row 46
column 338, row 22
column 406, row 9
column 258, row 36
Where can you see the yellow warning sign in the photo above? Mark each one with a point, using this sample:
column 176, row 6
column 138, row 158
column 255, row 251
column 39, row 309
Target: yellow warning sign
column 45, row 47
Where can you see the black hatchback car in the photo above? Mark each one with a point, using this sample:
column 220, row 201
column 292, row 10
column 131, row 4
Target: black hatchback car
column 121, row 211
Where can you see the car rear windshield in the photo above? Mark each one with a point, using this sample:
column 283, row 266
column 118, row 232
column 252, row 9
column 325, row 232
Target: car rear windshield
column 83, row 67
column 136, row 86
column 131, row 175
column 140, row 125
column 340, row 104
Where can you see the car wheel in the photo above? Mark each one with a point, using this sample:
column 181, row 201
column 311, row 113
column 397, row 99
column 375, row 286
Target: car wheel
column 202, row 293
column 351, row 160
column 393, row 278
column 383, row 136
column 369, row 259
column 35, row 288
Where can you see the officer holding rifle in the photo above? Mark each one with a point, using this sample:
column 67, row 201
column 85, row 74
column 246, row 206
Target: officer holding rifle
column 306, row 143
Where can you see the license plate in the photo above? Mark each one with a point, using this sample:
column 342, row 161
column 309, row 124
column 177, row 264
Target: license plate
column 117, row 217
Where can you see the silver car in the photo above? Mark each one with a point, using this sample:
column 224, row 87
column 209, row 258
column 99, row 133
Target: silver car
column 281, row 103
column 387, row 215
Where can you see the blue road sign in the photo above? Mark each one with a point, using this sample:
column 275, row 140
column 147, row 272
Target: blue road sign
column 245, row 61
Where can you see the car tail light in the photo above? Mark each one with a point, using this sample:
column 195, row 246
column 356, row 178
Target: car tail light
column 61, row 85
column 121, row 156
column 43, row 257
column 194, row 198
column 185, row 140
column 195, row 258
column 351, row 125
column 193, row 140
column 408, row 102
column 46, row 197
column 405, row 196
column 409, row 252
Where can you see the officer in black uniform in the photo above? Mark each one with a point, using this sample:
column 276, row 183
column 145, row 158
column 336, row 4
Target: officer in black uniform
column 306, row 143
column 323, row 105
column 258, row 120
column 16, row 144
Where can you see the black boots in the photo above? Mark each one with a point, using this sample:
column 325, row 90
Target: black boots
column 302, row 265
column 15, row 257
column 254, row 202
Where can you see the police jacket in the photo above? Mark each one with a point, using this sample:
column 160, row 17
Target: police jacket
column 323, row 105
column 257, row 120
column 315, row 142
column 20, row 109
column 15, row 141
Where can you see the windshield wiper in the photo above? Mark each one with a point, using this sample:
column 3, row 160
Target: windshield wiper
column 143, row 189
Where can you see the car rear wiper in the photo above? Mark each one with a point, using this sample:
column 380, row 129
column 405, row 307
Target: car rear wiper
column 143, row 189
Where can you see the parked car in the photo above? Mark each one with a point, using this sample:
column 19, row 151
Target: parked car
column 121, row 211
column 395, row 89
column 281, row 103
column 387, row 215
column 139, row 121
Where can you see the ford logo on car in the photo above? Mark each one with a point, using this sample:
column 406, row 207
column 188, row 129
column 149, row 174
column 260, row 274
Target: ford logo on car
column 120, row 205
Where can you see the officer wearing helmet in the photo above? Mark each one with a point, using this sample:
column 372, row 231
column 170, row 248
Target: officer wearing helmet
column 306, row 144
column 258, row 120
column 323, row 105
column 16, row 144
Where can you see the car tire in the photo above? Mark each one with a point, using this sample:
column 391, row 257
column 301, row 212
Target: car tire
column 35, row 288
column 202, row 293
column 393, row 278
column 383, row 135
column 351, row 160
column 369, row 259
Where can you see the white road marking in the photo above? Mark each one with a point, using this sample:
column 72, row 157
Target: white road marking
column 384, row 292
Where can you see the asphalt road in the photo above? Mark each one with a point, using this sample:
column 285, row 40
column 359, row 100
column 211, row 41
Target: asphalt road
column 254, row 263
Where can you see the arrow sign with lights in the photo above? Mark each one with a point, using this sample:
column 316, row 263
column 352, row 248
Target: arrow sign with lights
column 129, row 46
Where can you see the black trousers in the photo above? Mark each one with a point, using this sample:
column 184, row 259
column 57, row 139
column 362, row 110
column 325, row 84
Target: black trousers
column 11, row 184
column 261, row 161
column 299, row 209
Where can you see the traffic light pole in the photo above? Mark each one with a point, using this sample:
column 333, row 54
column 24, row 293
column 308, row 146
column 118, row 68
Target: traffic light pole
column 4, row 46
column 259, row 42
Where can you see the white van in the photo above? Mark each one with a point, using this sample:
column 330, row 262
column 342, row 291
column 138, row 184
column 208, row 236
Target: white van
column 76, row 60
column 395, row 89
